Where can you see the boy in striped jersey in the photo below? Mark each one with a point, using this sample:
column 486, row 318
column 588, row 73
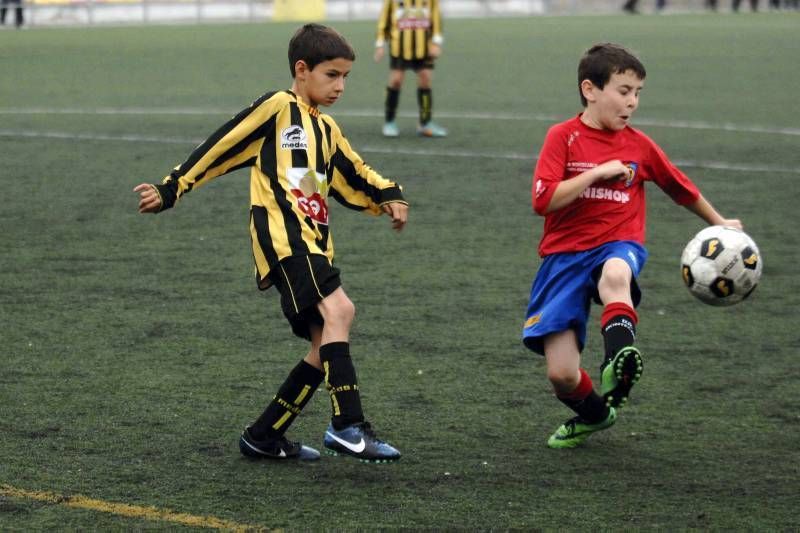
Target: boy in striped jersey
column 299, row 157
column 413, row 29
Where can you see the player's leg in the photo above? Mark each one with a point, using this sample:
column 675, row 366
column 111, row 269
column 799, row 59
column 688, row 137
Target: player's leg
column 396, row 77
column 427, row 127
column 574, row 388
column 302, row 282
column 622, row 364
column 338, row 312
column 630, row 6
column 348, row 433
column 555, row 327
column 266, row 436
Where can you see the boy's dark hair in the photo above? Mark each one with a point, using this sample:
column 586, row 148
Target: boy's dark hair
column 315, row 43
column 601, row 61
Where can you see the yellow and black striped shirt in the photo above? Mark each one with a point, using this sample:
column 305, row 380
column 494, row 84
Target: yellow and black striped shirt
column 409, row 26
column 298, row 157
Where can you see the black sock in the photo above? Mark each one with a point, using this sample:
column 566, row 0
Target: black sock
column 592, row 408
column 342, row 384
column 292, row 396
column 392, row 99
column 585, row 401
column 618, row 332
column 425, row 101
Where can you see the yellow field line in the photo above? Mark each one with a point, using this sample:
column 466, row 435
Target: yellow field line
column 124, row 509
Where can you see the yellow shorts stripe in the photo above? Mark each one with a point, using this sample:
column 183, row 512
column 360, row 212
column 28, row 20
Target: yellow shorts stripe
column 289, row 285
column 311, row 272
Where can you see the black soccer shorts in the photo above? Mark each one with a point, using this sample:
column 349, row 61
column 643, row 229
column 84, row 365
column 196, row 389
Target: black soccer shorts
column 303, row 281
column 398, row 63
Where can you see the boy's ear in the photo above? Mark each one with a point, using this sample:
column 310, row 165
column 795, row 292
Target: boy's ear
column 587, row 90
column 301, row 69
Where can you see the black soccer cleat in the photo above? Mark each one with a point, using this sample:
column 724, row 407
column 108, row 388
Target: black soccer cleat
column 278, row 449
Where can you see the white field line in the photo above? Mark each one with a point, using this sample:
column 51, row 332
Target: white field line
column 419, row 152
column 372, row 113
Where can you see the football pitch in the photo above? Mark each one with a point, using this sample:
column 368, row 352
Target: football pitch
column 134, row 349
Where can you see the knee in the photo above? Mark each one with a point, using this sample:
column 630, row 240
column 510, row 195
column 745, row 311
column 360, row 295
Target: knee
column 340, row 311
column 615, row 277
column 348, row 310
column 424, row 79
column 396, row 79
column 563, row 379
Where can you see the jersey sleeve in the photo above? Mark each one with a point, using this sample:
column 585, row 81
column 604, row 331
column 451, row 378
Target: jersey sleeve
column 355, row 184
column 236, row 144
column 670, row 178
column 384, row 23
column 549, row 169
column 437, row 37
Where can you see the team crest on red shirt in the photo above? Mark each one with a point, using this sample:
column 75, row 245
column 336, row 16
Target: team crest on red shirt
column 632, row 168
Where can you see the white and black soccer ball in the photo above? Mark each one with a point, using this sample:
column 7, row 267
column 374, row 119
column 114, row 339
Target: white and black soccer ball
column 721, row 265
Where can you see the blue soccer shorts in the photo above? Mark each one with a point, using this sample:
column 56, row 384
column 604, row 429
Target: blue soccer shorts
column 565, row 286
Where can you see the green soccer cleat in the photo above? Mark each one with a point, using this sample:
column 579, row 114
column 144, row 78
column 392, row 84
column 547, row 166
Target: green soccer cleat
column 576, row 430
column 619, row 375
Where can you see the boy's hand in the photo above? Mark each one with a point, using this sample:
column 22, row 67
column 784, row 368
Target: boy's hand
column 434, row 50
column 149, row 199
column 732, row 223
column 613, row 169
column 399, row 213
column 378, row 53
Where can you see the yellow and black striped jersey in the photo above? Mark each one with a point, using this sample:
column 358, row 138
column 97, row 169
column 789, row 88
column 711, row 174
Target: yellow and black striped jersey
column 298, row 158
column 409, row 26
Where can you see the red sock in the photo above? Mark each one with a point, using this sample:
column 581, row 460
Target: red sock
column 618, row 325
column 618, row 309
column 584, row 388
column 585, row 401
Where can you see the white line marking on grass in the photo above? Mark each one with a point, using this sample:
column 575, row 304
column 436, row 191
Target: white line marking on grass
column 372, row 113
column 95, row 137
column 126, row 510
column 420, row 152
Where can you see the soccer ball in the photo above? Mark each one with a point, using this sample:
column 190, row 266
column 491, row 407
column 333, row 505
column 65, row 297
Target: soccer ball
column 721, row 265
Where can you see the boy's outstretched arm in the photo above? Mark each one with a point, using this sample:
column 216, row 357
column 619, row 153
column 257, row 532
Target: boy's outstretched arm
column 357, row 186
column 703, row 208
column 398, row 211
column 568, row 190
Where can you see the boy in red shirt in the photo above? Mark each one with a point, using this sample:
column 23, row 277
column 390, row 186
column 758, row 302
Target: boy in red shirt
column 589, row 186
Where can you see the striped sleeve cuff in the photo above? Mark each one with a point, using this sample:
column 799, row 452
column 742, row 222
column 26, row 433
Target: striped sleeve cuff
column 168, row 193
column 392, row 194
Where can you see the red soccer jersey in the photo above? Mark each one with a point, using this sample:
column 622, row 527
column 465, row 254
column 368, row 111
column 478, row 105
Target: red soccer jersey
column 611, row 210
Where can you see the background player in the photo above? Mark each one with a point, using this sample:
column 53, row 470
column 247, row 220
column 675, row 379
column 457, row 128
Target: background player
column 298, row 157
column 413, row 29
column 589, row 186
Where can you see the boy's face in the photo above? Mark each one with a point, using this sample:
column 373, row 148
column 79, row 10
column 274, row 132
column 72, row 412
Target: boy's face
column 325, row 83
column 611, row 107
